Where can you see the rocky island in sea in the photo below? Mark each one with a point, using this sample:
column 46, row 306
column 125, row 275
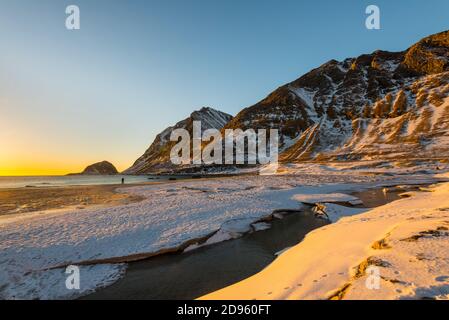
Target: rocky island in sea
column 99, row 168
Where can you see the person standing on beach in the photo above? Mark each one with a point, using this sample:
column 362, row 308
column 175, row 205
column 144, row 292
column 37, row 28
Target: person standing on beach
column 123, row 180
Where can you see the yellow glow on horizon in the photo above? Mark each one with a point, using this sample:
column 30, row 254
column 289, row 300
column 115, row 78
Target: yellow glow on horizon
column 47, row 166
column 22, row 154
column 18, row 160
column 28, row 167
column 21, row 164
column 34, row 170
column 49, row 169
column 28, row 151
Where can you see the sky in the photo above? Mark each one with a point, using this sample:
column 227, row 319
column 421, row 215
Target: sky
column 69, row 98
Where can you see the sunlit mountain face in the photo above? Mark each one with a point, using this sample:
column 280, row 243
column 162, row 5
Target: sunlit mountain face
column 383, row 105
column 116, row 182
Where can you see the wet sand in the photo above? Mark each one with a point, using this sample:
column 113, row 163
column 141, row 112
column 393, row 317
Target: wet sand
column 33, row 199
column 25, row 200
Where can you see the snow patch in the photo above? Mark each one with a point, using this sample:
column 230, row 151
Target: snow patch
column 322, row 198
column 406, row 240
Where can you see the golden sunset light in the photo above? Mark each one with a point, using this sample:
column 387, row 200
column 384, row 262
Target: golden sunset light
column 233, row 152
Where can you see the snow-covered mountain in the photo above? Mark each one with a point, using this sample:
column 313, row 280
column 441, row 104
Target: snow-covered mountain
column 157, row 156
column 383, row 105
column 378, row 105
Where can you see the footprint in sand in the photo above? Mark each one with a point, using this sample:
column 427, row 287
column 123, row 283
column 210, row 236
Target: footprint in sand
column 299, row 285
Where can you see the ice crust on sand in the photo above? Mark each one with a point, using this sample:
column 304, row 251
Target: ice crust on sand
column 323, row 198
column 171, row 215
column 406, row 240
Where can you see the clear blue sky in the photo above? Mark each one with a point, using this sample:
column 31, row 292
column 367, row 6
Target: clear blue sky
column 68, row 98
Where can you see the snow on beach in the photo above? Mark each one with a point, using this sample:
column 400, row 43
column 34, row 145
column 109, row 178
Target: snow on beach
column 407, row 240
column 35, row 249
column 366, row 167
column 51, row 284
column 320, row 198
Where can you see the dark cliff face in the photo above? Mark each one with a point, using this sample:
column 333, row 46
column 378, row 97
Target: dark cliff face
column 321, row 111
column 100, row 168
column 336, row 89
column 430, row 55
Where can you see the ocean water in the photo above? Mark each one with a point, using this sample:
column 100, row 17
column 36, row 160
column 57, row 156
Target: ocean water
column 58, row 181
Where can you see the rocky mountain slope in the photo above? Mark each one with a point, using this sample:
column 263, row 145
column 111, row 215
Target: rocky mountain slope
column 383, row 105
column 157, row 156
column 379, row 105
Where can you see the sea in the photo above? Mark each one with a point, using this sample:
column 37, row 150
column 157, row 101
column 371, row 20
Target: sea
column 76, row 180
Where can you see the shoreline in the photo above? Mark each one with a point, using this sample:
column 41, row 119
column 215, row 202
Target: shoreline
column 171, row 214
column 23, row 201
column 62, row 198
column 142, row 278
column 405, row 240
column 202, row 242
column 106, row 193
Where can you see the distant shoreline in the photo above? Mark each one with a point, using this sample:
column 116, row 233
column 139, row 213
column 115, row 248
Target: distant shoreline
column 20, row 200
column 28, row 200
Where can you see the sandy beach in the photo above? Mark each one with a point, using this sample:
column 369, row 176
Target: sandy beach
column 25, row 200
column 33, row 199
column 103, row 237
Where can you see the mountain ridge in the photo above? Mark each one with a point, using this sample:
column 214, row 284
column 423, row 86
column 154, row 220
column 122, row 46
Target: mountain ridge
column 320, row 112
column 157, row 156
column 374, row 106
